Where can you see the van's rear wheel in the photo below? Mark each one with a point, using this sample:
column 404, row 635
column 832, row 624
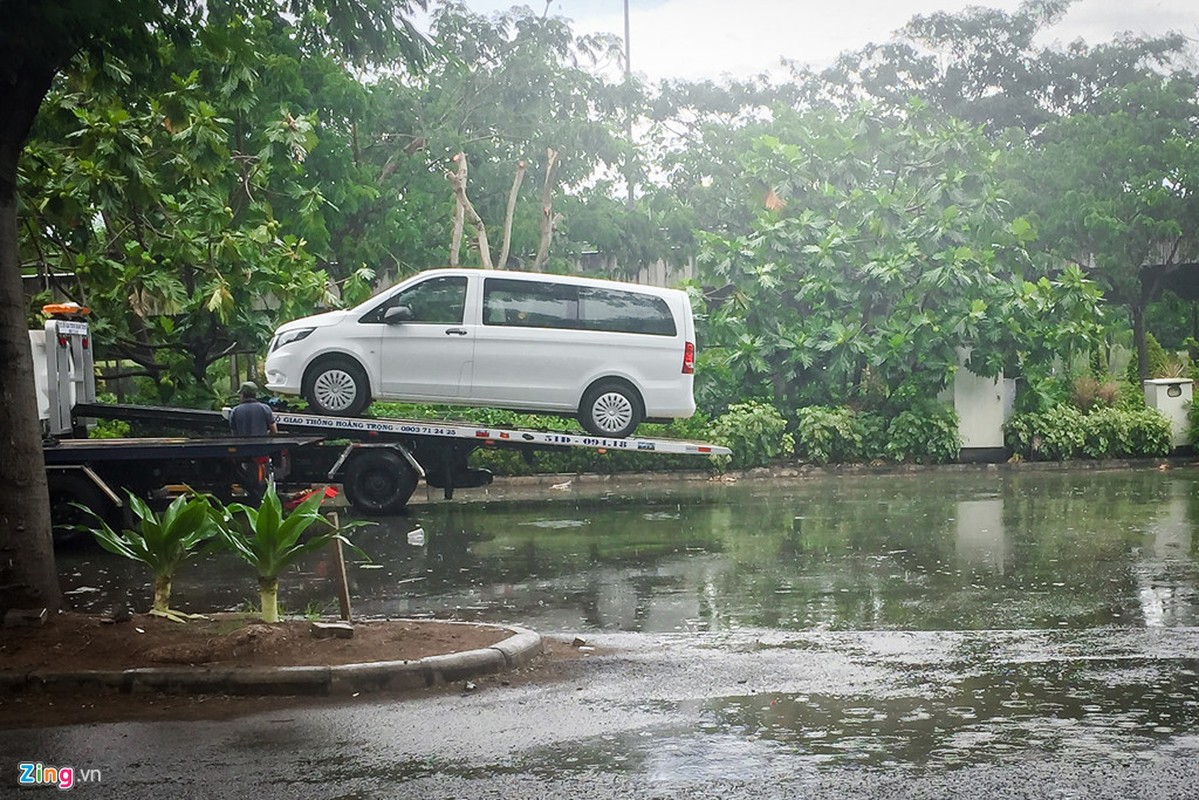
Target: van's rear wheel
column 378, row 482
column 337, row 387
column 611, row 409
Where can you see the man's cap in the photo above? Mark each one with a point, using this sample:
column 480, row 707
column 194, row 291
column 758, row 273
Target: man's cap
column 249, row 388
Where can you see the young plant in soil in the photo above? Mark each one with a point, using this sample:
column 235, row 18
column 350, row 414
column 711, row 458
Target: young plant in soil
column 273, row 540
column 162, row 543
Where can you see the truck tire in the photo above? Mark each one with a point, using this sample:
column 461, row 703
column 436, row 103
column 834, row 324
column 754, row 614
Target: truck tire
column 337, row 387
column 67, row 488
column 611, row 408
column 378, row 482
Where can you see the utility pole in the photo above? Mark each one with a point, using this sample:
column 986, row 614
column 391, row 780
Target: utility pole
column 628, row 107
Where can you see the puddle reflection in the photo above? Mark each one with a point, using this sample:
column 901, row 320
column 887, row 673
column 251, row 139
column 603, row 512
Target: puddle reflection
column 1027, row 550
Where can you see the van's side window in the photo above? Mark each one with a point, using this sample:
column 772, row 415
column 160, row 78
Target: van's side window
column 529, row 304
column 538, row 304
column 625, row 312
column 439, row 300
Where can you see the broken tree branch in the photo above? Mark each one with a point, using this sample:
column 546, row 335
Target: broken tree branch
column 462, row 208
column 548, row 219
column 516, row 181
column 459, row 209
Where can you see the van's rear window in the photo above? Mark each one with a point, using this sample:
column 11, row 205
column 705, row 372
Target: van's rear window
column 537, row 304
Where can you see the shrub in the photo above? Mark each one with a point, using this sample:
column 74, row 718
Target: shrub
column 1107, row 433
column 873, row 428
column 1064, row 432
column 755, row 432
column 717, row 386
column 838, row 434
column 1158, row 361
column 824, row 434
column 1149, row 433
column 1053, row 435
column 109, row 429
column 1041, row 393
column 1192, row 423
column 1019, row 433
column 1130, row 396
column 927, row 435
column 1088, row 393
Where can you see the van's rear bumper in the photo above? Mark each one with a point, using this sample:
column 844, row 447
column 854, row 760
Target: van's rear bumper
column 669, row 403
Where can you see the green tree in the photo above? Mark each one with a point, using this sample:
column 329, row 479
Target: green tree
column 167, row 215
column 37, row 41
column 508, row 88
column 986, row 66
column 1115, row 191
column 878, row 253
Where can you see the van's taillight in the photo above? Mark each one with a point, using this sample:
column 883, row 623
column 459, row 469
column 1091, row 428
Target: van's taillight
column 689, row 359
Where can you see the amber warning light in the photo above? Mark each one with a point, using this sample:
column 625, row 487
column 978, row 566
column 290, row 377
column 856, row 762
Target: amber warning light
column 65, row 310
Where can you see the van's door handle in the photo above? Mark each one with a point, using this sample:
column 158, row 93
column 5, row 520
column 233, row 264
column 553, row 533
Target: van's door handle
column 455, row 331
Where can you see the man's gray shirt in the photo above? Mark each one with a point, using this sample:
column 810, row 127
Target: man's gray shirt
column 251, row 418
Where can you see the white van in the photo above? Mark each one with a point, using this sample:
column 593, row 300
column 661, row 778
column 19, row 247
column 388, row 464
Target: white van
column 612, row 353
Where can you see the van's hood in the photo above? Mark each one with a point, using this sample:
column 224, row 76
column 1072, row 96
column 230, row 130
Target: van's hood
column 316, row 321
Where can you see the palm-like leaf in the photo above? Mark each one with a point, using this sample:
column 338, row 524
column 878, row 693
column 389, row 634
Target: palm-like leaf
column 273, row 542
column 163, row 542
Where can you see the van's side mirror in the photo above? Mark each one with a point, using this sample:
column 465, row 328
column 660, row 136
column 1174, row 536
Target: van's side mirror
column 393, row 316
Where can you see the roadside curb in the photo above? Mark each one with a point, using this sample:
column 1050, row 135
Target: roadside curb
column 516, row 651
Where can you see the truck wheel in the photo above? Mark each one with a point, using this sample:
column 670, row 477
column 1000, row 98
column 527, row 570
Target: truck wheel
column 67, row 488
column 379, row 482
column 337, row 387
column 612, row 409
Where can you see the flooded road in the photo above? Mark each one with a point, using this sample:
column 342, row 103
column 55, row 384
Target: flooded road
column 1015, row 634
column 934, row 551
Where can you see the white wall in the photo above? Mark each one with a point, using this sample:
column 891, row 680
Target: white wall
column 980, row 404
column 1157, row 395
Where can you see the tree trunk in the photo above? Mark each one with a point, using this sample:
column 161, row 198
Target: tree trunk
column 458, row 182
column 268, row 596
column 548, row 218
column 28, row 578
column 511, row 212
column 1138, row 338
column 459, row 213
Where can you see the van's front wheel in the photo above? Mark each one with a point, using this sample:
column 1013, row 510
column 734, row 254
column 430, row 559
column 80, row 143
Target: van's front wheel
column 611, row 409
column 337, row 386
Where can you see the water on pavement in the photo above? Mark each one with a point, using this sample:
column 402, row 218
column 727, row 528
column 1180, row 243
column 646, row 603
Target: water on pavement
column 885, row 621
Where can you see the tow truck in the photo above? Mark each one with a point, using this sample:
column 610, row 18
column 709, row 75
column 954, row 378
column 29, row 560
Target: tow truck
column 378, row 461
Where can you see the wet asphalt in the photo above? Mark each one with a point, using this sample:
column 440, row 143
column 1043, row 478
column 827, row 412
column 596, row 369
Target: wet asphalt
column 1022, row 636
column 986, row 714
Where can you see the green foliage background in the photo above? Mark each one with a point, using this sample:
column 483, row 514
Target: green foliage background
column 854, row 236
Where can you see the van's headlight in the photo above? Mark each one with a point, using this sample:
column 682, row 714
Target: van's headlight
column 291, row 336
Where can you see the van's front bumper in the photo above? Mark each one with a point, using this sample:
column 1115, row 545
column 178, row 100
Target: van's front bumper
column 284, row 372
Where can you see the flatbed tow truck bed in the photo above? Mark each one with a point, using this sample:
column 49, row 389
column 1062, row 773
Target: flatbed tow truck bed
column 380, row 460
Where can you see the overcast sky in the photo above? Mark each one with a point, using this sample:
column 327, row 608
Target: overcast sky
column 695, row 39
